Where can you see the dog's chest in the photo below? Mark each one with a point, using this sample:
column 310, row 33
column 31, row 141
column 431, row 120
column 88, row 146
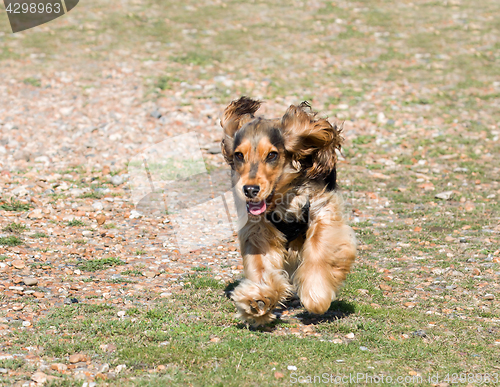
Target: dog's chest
column 291, row 216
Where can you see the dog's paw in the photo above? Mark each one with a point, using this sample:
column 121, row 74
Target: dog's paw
column 255, row 302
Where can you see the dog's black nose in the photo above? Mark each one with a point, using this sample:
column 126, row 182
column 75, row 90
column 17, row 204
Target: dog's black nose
column 251, row 191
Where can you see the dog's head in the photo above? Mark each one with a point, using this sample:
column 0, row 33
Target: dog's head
column 268, row 155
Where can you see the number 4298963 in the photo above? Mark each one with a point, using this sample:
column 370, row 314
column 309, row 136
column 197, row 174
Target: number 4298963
column 33, row 8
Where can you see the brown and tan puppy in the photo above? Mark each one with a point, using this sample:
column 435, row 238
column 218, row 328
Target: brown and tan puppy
column 295, row 238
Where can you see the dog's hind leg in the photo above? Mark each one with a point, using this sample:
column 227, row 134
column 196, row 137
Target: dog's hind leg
column 328, row 253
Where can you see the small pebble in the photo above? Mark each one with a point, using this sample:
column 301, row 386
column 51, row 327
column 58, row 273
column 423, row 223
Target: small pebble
column 77, row 358
column 101, row 219
column 18, row 264
column 30, row 281
column 116, row 180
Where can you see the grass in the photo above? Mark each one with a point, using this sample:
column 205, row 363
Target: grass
column 100, row 264
column 91, row 195
column 134, row 272
column 202, row 282
column 16, row 228
column 33, row 82
column 11, row 364
column 76, row 223
column 40, row 235
column 196, row 336
column 15, row 205
column 121, row 281
column 165, row 82
column 10, row 241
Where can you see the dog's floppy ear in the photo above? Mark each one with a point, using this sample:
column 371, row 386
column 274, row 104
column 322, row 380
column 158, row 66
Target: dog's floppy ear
column 310, row 140
column 234, row 117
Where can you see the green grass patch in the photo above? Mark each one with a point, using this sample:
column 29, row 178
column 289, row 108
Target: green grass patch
column 100, row 264
column 91, row 195
column 16, row 228
column 133, row 272
column 121, row 281
column 363, row 139
column 76, row 223
column 165, row 82
column 15, row 205
column 32, row 81
column 202, row 282
column 10, row 241
column 11, row 364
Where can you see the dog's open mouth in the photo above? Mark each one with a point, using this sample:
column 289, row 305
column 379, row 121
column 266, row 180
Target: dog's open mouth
column 258, row 208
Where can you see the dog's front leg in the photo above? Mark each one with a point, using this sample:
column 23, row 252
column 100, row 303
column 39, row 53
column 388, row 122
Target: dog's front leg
column 265, row 283
column 328, row 253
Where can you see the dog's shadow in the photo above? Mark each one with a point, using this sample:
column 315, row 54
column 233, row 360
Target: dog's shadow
column 338, row 310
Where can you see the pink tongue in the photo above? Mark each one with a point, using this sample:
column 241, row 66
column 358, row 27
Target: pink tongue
column 257, row 208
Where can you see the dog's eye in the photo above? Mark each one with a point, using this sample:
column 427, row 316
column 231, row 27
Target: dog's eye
column 239, row 156
column 271, row 156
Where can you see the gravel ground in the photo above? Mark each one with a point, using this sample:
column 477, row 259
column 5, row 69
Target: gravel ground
column 426, row 211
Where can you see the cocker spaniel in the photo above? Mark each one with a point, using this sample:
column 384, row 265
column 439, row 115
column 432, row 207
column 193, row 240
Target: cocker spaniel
column 295, row 238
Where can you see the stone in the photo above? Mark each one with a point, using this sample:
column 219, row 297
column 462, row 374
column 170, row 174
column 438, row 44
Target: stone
column 77, row 358
column 155, row 114
column 106, row 170
column 98, row 206
column 135, row 214
column 17, row 307
column 447, row 195
column 36, row 214
column 116, row 180
column 101, row 219
column 59, row 367
column 39, row 377
column 18, row 264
